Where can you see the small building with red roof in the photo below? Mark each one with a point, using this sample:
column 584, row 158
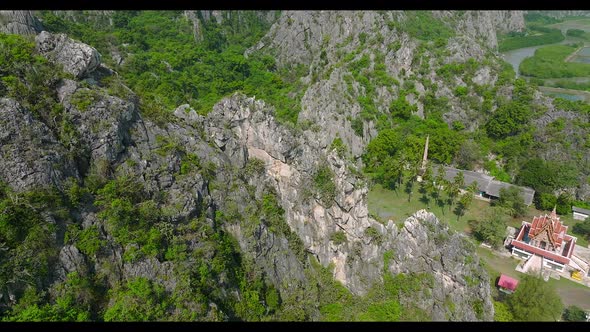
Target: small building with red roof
column 547, row 237
column 507, row 284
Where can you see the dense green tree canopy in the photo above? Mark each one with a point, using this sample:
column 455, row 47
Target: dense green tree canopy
column 574, row 314
column 492, row 228
column 535, row 300
column 512, row 200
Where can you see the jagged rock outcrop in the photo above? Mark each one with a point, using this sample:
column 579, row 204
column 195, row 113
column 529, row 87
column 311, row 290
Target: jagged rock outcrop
column 71, row 260
column 153, row 270
column 483, row 25
column 102, row 123
column 77, row 58
column 30, row 154
column 424, row 244
column 200, row 17
column 20, row 22
column 251, row 132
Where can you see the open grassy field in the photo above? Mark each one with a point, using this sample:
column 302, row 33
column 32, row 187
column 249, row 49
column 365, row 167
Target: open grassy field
column 385, row 204
column 550, row 62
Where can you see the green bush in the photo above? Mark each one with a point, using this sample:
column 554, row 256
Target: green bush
column 323, row 181
column 422, row 25
column 339, row 146
column 83, row 98
column 338, row 237
column 374, row 235
column 89, row 241
column 461, row 91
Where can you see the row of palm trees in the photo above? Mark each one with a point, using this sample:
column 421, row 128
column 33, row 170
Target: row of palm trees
column 400, row 169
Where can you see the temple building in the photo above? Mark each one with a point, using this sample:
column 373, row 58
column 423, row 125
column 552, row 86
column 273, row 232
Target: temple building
column 547, row 238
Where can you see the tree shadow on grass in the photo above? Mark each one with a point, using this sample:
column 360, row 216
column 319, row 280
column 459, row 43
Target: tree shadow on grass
column 425, row 199
column 441, row 204
column 459, row 211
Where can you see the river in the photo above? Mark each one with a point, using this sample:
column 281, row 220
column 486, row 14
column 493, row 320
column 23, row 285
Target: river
column 515, row 57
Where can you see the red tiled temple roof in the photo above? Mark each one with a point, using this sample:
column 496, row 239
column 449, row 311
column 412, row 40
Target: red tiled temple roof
column 558, row 235
column 507, row 282
column 556, row 228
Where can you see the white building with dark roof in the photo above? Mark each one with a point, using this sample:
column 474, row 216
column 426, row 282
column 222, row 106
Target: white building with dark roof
column 579, row 213
column 487, row 186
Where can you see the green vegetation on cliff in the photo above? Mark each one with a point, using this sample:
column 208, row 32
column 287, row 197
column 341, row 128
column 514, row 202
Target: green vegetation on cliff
column 166, row 67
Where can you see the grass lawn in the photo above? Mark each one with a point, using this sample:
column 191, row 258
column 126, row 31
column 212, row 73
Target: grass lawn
column 496, row 264
column 572, row 293
column 385, row 204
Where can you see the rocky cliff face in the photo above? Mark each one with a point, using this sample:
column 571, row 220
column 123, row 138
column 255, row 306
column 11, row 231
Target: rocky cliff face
column 298, row 35
column 320, row 41
column 19, row 22
column 244, row 129
column 31, row 155
column 483, row 25
column 114, row 137
column 198, row 18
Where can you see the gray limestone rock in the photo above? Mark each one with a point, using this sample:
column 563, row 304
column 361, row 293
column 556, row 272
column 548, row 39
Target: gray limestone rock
column 71, row 260
column 21, row 22
column 77, row 58
column 153, row 270
column 30, row 156
column 358, row 263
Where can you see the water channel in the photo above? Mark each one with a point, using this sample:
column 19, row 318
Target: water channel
column 515, row 57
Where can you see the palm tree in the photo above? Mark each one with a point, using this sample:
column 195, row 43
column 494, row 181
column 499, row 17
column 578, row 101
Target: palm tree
column 454, row 188
column 440, row 182
column 466, row 199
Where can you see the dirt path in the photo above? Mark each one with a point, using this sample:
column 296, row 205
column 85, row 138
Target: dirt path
column 569, row 57
column 575, row 296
